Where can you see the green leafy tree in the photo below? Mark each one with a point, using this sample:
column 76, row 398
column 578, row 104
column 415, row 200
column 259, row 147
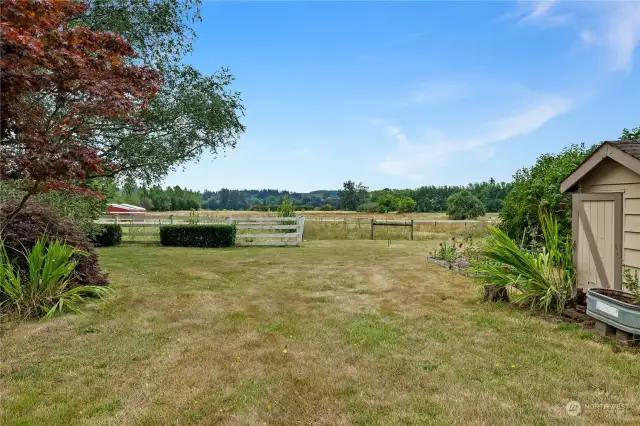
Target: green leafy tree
column 352, row 195
column 406, row 204
column 192, row 113
column 387, row 203
column 631, row 135
column 538, row 187
column 464, row 205
column 287, row 209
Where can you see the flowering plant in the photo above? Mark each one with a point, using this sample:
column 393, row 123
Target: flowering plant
column 447, row 250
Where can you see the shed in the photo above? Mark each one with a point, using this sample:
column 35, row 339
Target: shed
column 606, row 214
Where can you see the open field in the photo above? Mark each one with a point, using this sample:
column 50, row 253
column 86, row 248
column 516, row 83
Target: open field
column 373, row 334
column 326, row 225
column 337, row 215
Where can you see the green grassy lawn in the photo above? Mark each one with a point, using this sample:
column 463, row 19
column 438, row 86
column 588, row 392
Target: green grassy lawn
column 333, row 333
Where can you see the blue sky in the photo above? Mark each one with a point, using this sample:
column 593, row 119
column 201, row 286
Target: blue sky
column 405, row 94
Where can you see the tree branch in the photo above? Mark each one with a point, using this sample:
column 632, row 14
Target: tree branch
column 15, row 212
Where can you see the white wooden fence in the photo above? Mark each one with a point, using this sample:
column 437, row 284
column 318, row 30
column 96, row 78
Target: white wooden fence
column 269, row 231
column 252, row 231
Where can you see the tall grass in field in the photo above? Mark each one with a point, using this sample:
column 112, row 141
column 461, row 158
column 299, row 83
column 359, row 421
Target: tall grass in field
column 360, row 229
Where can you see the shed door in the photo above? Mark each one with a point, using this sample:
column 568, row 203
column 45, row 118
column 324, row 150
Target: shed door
column 597, row 240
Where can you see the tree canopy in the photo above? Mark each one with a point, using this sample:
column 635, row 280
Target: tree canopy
column 631, row 134
column 464, row 205
column 538, row 187
column 60, row 86
column 352, row 195
column 191, row 114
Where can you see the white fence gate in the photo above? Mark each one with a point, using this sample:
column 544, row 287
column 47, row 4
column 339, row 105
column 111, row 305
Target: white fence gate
column 251, row 231
column 268, row 231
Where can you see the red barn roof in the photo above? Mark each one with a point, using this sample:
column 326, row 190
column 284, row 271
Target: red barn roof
column 124, row 208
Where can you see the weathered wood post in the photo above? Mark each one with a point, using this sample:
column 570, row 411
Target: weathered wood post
column 372, row 223
column 171, row 219
column 228, row 220
column 411, row 229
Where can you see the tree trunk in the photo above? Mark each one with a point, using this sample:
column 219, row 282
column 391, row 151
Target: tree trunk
column 495, row 294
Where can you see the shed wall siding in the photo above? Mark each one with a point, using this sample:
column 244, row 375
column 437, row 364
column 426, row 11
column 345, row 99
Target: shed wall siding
column 610, row 176
column 610, row 172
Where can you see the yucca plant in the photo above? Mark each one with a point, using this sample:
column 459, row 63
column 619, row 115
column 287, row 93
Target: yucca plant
column 541, row 280
column 47, row 291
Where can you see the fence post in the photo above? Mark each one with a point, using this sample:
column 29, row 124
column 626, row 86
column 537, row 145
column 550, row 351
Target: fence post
column 228, row 220
column 411, row 229
column 372, row 223
column 171, row 219
column 117, row 220
column 300, row 229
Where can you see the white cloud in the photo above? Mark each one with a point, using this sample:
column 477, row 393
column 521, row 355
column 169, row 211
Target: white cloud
column 613, row 25
column 411, row 157
column 618, row 31
column 437, row 92
column 540, row 12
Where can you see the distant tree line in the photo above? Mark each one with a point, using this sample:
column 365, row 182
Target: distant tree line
column 424, row 199
column 268, row 199
column 156, row 198
column 353, row 196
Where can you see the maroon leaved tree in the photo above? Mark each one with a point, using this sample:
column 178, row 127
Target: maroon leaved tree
column 60, row 87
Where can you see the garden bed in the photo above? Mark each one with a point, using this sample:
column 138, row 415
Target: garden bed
column 460, row 264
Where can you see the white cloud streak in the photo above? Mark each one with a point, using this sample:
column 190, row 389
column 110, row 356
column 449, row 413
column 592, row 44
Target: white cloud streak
column 411, row 158
column 439, row 92
column 612, row 25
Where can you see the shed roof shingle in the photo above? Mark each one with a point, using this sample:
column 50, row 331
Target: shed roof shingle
column 630, row 147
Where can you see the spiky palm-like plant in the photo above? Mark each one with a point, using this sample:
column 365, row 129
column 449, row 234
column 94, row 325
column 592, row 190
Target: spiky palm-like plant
column 543, row 280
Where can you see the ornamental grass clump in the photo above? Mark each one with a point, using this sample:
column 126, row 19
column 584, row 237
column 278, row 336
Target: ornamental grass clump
column 46, row 288
column 542, row 279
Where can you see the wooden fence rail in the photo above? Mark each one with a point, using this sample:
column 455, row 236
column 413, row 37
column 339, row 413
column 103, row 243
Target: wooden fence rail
column 375, row 223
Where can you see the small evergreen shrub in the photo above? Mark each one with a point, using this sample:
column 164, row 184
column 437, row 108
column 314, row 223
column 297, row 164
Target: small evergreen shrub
column 198, row 235
column 109, row 235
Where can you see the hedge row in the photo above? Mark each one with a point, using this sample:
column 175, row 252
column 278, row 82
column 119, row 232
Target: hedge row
column 198, row 235
column 110, row 235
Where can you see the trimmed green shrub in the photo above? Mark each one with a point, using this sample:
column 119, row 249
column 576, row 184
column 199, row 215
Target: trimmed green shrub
column 198, row 235
column 109, row 235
